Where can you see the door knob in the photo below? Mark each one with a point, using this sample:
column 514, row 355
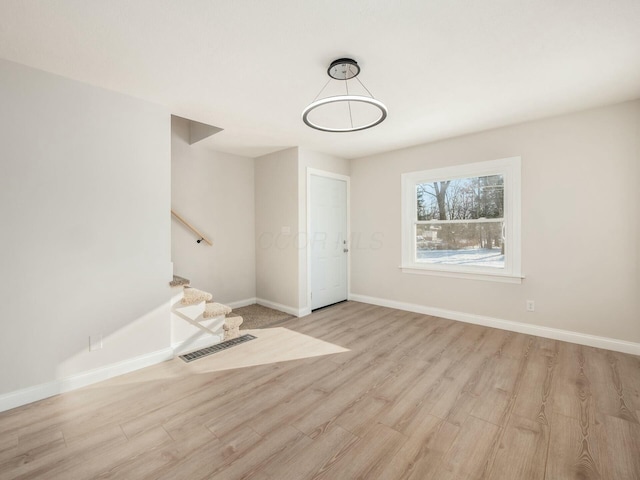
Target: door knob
column 345, row 250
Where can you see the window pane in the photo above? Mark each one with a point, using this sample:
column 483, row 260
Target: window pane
column 466, row 244
column 461, row 198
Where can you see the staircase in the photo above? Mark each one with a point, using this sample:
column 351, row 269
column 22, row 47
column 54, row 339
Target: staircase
column 197, row 321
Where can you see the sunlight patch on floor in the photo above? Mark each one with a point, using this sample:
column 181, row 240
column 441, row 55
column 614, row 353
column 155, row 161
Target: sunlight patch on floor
column 272, row 345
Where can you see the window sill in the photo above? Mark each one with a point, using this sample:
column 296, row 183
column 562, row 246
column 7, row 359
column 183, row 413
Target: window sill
column 488, row 277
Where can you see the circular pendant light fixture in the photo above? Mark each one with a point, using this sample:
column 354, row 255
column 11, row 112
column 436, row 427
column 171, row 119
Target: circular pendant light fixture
column 348, row 112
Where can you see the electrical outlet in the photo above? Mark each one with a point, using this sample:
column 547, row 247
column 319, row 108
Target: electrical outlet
column 95, row 342
column 531, row 306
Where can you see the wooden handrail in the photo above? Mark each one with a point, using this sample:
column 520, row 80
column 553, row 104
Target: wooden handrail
column 192, row 228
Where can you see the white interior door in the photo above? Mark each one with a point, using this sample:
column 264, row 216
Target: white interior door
column 328, row 240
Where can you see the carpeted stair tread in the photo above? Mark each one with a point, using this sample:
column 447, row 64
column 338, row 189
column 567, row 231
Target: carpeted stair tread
column 232, row 322
column 179, row 282
column 231, row 327
column 215, row 310
column 193, row 295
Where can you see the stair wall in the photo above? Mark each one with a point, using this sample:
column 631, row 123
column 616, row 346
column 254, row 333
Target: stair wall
column 215, row 192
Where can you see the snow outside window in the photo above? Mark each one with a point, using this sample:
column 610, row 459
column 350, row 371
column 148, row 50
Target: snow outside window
column 463, row 221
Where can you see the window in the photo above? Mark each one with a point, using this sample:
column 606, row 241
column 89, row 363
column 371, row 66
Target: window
column 463, row 221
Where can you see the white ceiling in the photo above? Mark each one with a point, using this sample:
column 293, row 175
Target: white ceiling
column 442, row 67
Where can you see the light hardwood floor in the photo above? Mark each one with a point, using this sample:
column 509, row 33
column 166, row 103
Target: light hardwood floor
column 351, row 392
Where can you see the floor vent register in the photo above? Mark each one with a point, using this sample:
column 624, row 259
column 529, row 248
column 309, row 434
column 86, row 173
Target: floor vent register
column 203, row 352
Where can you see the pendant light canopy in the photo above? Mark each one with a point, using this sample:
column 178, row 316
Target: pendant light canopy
column 353, row 110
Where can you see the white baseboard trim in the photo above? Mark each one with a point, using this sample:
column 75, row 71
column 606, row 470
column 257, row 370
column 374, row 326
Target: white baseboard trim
column 186, row 346
column 38, row 392
column 540, row 331
column 301, row 312
column 278, row 306
column 241, row 303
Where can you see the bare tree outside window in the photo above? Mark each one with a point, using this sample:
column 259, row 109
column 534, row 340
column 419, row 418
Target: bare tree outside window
column 460, row 221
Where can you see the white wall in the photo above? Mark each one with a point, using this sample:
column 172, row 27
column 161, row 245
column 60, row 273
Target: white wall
column 580, row 217
column 215, row 192
column 85, row 196
column 276, row 187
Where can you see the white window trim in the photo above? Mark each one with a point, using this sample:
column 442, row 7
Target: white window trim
column 510, row 168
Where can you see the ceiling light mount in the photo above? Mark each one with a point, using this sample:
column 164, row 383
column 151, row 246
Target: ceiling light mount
column 348, row 112
column 343, row 69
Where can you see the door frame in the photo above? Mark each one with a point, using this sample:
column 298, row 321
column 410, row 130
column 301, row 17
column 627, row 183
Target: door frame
column 334, row 176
